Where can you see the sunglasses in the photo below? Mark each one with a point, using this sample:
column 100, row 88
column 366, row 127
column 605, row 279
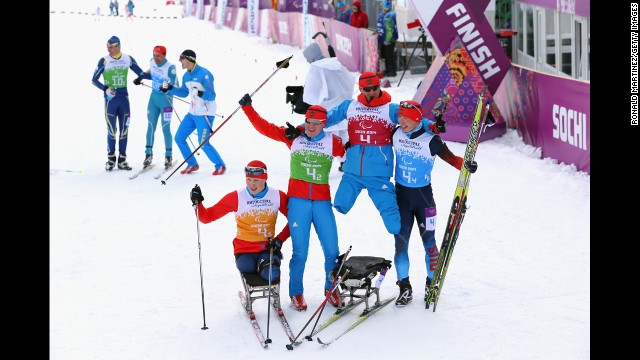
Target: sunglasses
column 313, row 121
column 116, row 44
column 254, row 171
column 408, row 105
column 371, row 88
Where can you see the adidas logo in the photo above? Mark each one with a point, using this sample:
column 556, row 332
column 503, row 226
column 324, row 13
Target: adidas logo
column 422, row 225
column 295, row 224
column 384, row 186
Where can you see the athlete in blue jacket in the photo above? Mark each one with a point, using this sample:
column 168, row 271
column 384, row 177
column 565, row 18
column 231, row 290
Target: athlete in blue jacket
column 160, row 104
column 197, row 82
column 114, row 68
column 416, row 149
column 369, row 159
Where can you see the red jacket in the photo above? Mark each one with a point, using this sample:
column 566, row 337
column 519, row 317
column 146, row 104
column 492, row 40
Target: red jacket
column 359, row 19
column 297, row 188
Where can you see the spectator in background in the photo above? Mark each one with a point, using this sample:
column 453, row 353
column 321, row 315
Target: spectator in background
column 343, row 12
column 387, row 36
column 359, row 18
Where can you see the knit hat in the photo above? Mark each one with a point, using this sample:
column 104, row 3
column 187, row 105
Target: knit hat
column 256, row 169
column 317, row 112
column 114, row 41
column 313, row 53
column 368, row 79
column 189, row 55
column 411, row 110
column 386, row 5
column 160, row 50
column 358, row 4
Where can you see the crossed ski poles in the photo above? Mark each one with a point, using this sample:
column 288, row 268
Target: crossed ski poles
column 281, row 64
column 334, row 285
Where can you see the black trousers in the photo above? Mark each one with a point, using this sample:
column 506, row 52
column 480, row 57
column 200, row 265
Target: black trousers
column 387, row 52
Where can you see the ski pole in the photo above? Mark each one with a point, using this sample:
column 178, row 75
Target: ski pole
column 204, row 327
column 282, row 64
column 308, row 337
column 268, row 341
column 336, row 281
column 175, row 97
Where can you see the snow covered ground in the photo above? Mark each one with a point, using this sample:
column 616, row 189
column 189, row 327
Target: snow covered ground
column 124, row 259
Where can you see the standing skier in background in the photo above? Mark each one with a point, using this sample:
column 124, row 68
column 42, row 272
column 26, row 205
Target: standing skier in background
column 114, row 69
column 416, row 149
column 197, row 83
column 160, row 104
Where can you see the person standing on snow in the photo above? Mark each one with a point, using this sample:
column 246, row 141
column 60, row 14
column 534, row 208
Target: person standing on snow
column 197, row 82
column 309, row 193
column 160, row 104
column 114, row 69
column 416, row 149
column 256, row 207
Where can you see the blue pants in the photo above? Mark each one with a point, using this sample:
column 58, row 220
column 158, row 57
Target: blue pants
column 117, row 113
column 381, row 192
column 202, row 124
column 159, row 106
column 416, row 203
column 250, row 262
column 303, row 213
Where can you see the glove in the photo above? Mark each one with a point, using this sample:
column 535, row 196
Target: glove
column 280, row 63
column 472, row 166
column 291, row 132
column 166, row 87
column 347, row 145
column 110, row 92
column 275, row 245
column 200, row 93
column 196, row 195
column 137, row 81
column 441, row 125
column 246, row 100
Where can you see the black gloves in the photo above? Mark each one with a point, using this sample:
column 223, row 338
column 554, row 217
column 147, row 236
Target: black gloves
column 245, row 101
column 200, row 92
column 441, row 125
column 137, row 81
column 280, row 63
column 165, row 89
column 291, row 132
column 196, row 195
column 275, row 244
column 472, row 166
column 347, row 145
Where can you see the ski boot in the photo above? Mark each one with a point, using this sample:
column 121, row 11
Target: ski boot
column 167, row 162
column 122, row 162
column 426, row 289
column 406, row 293
column 111, row 162
column 148, row 159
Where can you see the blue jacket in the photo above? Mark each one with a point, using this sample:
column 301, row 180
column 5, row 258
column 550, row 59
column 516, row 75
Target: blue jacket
column 387, row 27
